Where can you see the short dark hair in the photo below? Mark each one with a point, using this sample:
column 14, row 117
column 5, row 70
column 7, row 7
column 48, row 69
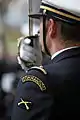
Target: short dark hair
column 70, row 31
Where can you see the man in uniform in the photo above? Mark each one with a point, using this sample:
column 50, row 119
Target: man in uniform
column 53, row 91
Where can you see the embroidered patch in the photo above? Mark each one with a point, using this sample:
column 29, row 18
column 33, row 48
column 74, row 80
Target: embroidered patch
column 24, row 104
column 35, row 80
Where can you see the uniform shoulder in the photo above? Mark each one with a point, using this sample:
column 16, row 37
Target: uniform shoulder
column 40, row 69
column 37, row 75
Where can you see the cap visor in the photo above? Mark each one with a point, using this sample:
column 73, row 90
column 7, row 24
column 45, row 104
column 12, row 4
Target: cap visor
column 36, row 15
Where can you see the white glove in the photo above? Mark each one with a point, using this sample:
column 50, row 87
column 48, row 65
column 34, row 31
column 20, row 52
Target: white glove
column 29, row 55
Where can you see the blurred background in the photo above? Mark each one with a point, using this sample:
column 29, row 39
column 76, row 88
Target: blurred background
column 13, row 24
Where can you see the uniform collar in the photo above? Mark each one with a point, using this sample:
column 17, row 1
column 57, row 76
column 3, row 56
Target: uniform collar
column 66, row 53
column 60, row 51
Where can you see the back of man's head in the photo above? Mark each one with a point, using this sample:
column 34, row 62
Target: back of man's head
column 70, row 32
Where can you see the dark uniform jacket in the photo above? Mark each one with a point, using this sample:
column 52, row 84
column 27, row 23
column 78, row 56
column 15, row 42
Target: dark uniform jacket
column 50, row 92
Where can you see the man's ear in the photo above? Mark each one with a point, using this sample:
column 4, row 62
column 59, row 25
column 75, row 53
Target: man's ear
column 52, row 28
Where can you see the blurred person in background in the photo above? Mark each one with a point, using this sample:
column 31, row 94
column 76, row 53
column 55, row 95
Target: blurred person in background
column 53, row 91
column 10, row 76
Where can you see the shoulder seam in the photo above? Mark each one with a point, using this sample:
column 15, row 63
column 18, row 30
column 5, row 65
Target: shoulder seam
column 39, row 68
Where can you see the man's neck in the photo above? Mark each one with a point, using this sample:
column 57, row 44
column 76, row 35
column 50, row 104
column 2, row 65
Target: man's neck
column 63, row 45
column 60, row 51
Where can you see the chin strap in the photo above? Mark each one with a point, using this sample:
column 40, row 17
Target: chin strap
column 44, row 36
